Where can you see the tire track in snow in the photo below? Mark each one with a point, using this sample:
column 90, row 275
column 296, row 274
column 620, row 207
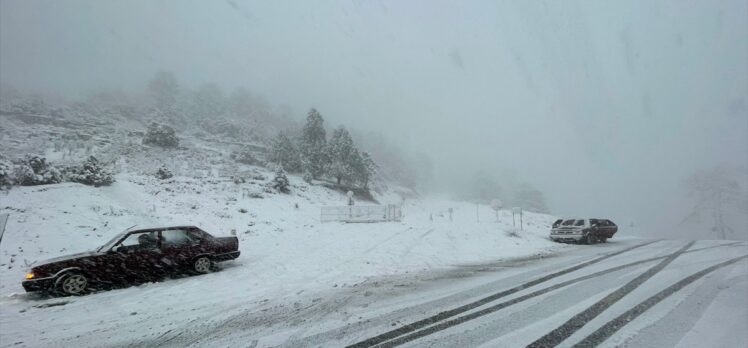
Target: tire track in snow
column 396, row 234
column 571, row 326
column 464, row 308
column 410, row 248
column 479, row 334
column 445, row 325
column 611, row 327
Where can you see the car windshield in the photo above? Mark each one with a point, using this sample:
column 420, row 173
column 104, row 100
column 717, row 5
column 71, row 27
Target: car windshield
column 108, row 245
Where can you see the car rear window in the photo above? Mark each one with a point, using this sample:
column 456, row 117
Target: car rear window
column 176, row 237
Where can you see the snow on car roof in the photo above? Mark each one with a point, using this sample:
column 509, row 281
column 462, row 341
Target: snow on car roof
column 162, row 228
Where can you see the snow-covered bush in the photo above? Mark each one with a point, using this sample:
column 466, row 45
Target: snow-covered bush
column 6, row 172
column 246, row 155
column 160, row 135
column 91, row 173
column 34, row 170
column 223, row 127
column 280, row 182
column 308, row 177
column 164, row 173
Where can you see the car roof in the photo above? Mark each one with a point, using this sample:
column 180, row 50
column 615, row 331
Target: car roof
column 150, row 229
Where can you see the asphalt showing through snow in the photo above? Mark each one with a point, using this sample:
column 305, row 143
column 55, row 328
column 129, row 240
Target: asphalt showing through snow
column 571, row 326
column 406, row 334
column 607, row 330
column 462, row 309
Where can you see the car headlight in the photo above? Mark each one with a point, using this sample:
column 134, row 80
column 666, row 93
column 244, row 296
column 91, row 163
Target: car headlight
column 30, row 275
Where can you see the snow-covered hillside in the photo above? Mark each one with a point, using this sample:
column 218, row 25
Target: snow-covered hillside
column 287, row 254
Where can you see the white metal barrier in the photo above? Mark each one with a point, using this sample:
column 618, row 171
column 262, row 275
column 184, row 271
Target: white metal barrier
column 370, row 213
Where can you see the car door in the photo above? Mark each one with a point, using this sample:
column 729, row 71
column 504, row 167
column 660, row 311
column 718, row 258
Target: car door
column 110, row 268
column 178, row 248
column 141, row 256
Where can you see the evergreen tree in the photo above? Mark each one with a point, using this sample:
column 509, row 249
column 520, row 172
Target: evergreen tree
column 284, row 152
column 343, row 156
column 366, row 169
column 313, row 144
column 280, row 182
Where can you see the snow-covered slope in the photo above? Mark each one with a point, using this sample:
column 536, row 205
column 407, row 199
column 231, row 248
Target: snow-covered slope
column 286, row 252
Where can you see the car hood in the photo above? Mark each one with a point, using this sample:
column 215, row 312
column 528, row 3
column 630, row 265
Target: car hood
column 64, row 258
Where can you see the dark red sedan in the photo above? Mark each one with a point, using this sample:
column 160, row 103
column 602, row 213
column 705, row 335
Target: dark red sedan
column 132, row 257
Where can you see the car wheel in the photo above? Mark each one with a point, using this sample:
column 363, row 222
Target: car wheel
column 202, row 265
column 73, row 284
column 588, row 239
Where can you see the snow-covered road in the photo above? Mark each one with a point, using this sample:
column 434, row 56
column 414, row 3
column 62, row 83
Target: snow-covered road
column 426, row 281
column 627, row 293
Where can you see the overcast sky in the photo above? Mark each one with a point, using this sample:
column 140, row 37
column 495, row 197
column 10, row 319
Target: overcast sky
column 604, row 105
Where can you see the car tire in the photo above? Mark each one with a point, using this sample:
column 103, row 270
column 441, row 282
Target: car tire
column 72, row 284
column 588, row 239
column 202, row 265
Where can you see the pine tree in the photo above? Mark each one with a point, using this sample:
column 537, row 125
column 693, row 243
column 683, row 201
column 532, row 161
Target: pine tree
column 284, row 152
column 343, row 156
column 366, row 169
column 313, row 144
column 280, row 182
